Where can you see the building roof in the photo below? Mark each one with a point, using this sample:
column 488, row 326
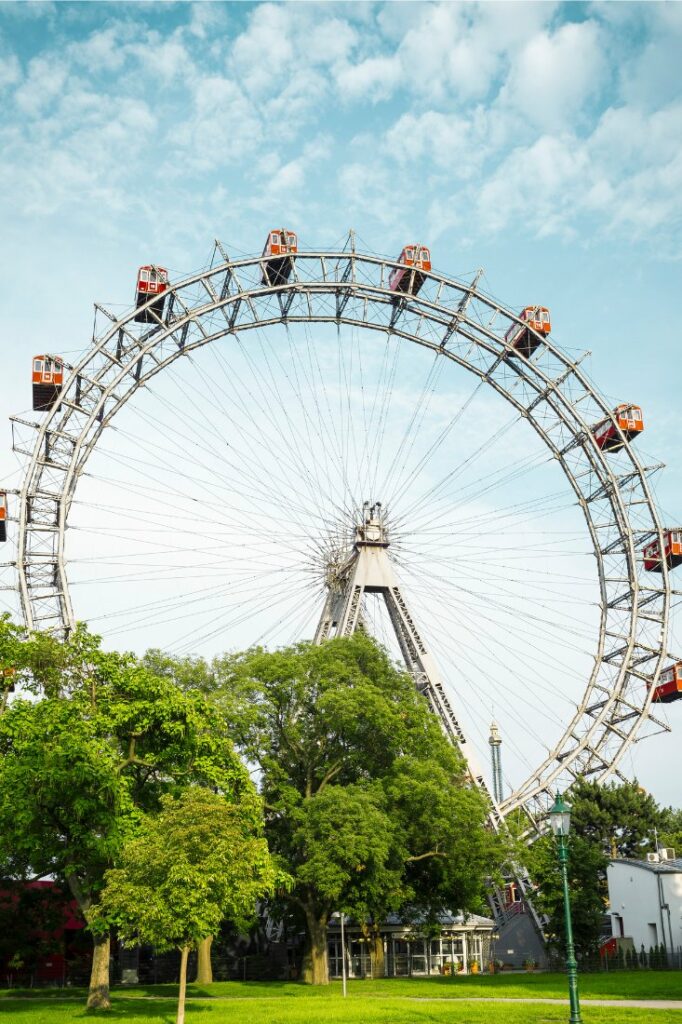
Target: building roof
column 445, row 920
column 448, row 920
column 661, row 867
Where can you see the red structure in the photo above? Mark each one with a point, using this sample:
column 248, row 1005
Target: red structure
column 415, row 263
column 628, row 418
column 669, row 687
column 48, row 379
column 525, row 337
column 151, row 281
column 672, row 551
column 3, row 516
column 43, row 940
column 280, row 246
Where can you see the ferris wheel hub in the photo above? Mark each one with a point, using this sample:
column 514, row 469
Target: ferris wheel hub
column 373, row 530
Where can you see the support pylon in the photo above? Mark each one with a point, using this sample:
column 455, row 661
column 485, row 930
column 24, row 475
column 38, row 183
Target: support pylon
column 368, row 570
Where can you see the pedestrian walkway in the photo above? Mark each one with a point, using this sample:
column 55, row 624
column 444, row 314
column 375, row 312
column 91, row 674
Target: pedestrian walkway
column 642, row 1004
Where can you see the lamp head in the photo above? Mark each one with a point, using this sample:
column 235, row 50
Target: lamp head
column 560, row 817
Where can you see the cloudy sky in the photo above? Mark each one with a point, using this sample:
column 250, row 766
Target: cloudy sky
column 540, row 141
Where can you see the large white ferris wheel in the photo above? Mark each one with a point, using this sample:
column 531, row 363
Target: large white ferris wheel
column 302, row 443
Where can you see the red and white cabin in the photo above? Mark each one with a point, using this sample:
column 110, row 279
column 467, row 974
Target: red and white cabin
column 669, row 686
column 628, row 418
column 48, row 379
column 280, row 245
column 672, row 551
column 151, row 281
column 415, row 263
column 523, row 338
column 3, row 516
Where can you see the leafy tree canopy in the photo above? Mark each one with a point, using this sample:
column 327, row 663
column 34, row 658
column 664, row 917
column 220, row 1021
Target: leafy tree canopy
column 366, row 801
column 101, row 740
column 201, row 859
column 621, row 818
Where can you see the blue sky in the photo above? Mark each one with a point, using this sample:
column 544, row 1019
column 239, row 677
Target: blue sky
column 538, row 141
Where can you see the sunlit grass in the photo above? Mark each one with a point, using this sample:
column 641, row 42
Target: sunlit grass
column 389, row 1001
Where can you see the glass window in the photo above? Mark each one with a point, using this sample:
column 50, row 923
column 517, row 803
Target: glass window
column 292, row 239
column 37, row 365
column 409, row 254
column 425, row 254
column 273, row 238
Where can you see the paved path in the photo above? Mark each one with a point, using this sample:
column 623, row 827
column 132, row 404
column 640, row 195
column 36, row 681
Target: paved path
column 642, row 1004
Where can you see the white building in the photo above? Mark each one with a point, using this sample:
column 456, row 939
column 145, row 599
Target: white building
column 463, row 941
column 646, row 900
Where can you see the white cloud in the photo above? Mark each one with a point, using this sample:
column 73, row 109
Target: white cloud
column 434, row 141
column 44, row 82
column 10, row 71
column 164, row 58
column 263, row 55
column 222, row 127
column 294, row 175
column 102, row 51
column 444, row 49
column 554, row 76
column 370, row 80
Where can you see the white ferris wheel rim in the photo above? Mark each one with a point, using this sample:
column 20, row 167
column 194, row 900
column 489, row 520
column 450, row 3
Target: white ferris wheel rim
column 453, row 319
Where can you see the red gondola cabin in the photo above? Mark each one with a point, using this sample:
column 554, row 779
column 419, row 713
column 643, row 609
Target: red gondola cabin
column 280, row 246
column 415, row 263
column 672, row 551
column 523, row 338
column 669, row 686
column 3, row 516
column 628, row 418
column 151, row 281
column 48, row 379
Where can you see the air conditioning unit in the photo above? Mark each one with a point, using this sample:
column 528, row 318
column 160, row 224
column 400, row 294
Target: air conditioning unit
column 652, row 858
column 666, row 853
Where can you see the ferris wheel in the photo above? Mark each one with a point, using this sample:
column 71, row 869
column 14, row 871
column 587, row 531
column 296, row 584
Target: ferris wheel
column 303, row 443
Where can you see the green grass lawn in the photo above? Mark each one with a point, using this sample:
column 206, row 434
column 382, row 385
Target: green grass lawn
column 390, row 1001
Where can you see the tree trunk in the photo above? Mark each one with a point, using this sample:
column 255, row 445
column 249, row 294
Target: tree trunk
column 378, row 964
column 315, row 967
column 204, row 968
column 98, row 995
column 184, row 953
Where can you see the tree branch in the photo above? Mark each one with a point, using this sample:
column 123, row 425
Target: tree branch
column 423, row 856
column 334, row 770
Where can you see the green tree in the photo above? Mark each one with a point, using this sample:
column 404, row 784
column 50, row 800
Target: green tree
column 366, row 802
column 670, row 833
column 586, row 864
column 200, row 860
column 613, row 820
column 620, row 818
column 104, row 741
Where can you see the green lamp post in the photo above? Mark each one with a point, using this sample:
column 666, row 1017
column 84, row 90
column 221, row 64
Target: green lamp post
column 560, row 821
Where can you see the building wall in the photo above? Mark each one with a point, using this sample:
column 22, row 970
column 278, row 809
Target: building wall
column 636, row 910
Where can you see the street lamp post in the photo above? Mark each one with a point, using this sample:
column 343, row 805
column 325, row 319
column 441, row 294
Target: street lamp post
column 560, row 821
column 339, row 915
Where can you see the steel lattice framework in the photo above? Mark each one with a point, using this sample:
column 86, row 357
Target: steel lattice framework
column 462, row 324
